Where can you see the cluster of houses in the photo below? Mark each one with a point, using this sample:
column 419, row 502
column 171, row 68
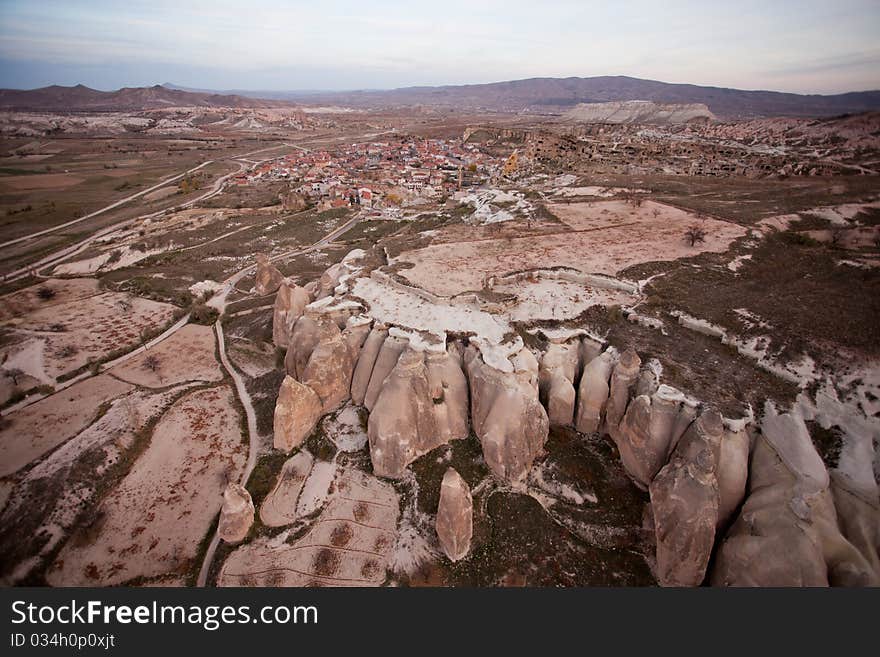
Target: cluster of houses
column 401, row 171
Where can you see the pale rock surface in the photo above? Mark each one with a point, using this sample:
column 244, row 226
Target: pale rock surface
column 556, row 376
column 279, row 507
column 593, row 392
column 733, row 473
column 858, row 512
column 366, row 360
column 402, row 425
column 787, row 532
column 297, row 411
column 624, row 375
column 308, row 331
column 329, row 370
column 455, row 516
column 350, row 543
column 684, row 501
column 267, row 278
column 645, row 436
column 448, row 388
column 290, row 302
column 507, row 416
column 330, row 279
column 236, row 514
column 390, row 351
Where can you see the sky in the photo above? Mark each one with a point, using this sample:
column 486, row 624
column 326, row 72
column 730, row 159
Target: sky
column 804, row 46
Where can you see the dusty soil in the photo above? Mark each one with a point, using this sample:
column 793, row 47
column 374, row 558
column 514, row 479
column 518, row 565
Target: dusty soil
column 188, row 355
column 349, row 543
column 42, row 426
column 152, row 522
column 606, row 237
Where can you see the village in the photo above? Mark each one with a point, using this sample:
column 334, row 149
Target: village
column 376, row 175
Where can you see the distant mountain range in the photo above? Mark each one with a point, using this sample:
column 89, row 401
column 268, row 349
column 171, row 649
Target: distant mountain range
column 556, row 95
column 535, row 95
column 82, row 98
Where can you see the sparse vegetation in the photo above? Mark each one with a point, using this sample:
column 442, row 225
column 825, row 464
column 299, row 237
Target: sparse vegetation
column 695, row 234
column 45, row 293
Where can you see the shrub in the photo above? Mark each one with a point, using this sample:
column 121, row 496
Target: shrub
column 201, row 313
column 45, row 293
column 695, row 234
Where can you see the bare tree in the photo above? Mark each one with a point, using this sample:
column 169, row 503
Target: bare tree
column 152, row 363
column 14, row 373
column 695, row 234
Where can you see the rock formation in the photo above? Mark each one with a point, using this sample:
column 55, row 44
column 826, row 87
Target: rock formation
column 367, row 359
column 349, row 544
column 268, row 278
column 290, row 301
column 236, row 514
column 421, row 405
column 787, row 531
column 624, row 375
column 649, row 432
column 390, row 351
column 685, row 501
column 507, row 416
column 297, row 411
column 593, row 392
column 455, row 522
column 556, row 376
column 733, row 471
column 279, row 507
column 328, row 371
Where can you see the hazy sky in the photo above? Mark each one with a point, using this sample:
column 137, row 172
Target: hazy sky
column 804, row 46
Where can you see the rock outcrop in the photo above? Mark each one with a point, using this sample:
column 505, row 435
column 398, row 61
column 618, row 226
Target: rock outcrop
column 455, row 522
column 685, row 501
column 297, row 411
column 236, row 514
column 367, row 359
column 328, row 371
column 733, row 471
column 279, row 507
column 290, row 301
column 787, row 531
column 349, row 544
column 623, row 378
column 267, row 278
column 390, row 351
column 593, row 392
column 507, row 415
column 422, row 405
column 649, row 431
column 556, row 377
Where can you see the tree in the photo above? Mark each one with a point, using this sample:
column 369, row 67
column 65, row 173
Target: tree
column 695, row 234
column 14, row 373
column 152, row 363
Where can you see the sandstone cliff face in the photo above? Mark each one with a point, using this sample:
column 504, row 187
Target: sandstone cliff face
column 297, row 410
column 422, row 405
column 649, row 431
column 290, row 301
column 236, row 514
column 507, row 416
column 455, row 522
column 685, row 501
column 366, row 361
column 557, row 374
column 268, row 278
column 593, row 392
column 787, row 532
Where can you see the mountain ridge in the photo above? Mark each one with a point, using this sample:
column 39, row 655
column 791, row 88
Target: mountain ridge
column 540, row 95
